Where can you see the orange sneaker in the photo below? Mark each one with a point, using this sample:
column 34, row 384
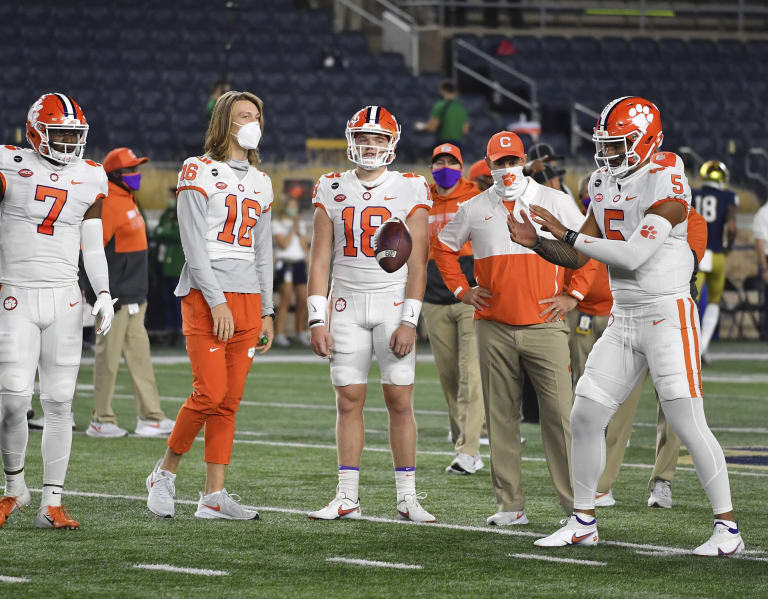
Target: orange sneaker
column 55, row 517
column 8, row 504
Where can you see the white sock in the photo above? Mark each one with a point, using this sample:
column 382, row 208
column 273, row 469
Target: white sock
column 708, row 325
column 51, row 496
column 405, row 482
column 15, row 484
column 349, row 482
column 13, row 440
column 57, row 440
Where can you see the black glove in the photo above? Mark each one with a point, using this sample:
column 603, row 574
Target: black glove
column 694, row 289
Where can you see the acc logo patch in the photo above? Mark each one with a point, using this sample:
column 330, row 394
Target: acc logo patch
column 10, row 303
column 340, row 304
column 25, row 172
column 339, row 198
column 598, row 197
column 221, row 185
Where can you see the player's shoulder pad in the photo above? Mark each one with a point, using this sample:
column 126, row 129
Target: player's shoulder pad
column 8, row 152
column 663, row 160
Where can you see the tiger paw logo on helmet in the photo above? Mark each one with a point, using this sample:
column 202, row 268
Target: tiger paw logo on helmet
column 641, row 116
column 508, row 179
column 648, row 231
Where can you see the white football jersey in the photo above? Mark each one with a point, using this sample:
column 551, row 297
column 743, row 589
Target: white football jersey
column 42, row 209
column 620, row 206
column 356, row 213
column 234, row 205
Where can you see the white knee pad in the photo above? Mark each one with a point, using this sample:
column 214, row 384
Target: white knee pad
column 16, row 381
column 14, row 408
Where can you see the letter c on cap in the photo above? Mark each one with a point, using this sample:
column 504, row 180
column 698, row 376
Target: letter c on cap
column 505, row 142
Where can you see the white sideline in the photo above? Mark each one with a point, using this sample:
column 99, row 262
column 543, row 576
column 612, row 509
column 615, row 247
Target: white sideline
column 562, row 560
column 13, row 579
column 370, row 562
column 484, row 529
column 169, row 568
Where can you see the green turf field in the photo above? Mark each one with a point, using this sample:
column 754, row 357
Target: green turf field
column 284, row 462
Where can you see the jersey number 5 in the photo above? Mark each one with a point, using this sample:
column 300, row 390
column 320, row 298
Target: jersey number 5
column 368, row 229
column 59, row 197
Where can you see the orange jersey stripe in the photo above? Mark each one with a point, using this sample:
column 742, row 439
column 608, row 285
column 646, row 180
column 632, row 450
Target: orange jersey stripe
column 696, row 345
column 686, row 347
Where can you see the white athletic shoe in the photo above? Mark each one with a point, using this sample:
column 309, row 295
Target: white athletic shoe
column 661, row 496
column 463, row 463
column 152, row 428
column 479, row 464
column 484, row 441
column 724, row 542
column 304, row 339
column 604, row 499
column 105, row 430
column 507, row 519
column 225, row 506
column 575, row 532
column 409, row 508
column 340, row 508
column 162, row 489
column 281, row 341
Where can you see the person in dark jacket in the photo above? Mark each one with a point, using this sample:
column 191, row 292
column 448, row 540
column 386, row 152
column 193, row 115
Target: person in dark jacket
column 125, row 245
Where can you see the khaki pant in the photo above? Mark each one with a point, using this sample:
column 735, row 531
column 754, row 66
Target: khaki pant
column 542, row 350
column 128, row 338
column 620, row 428
column 452, row 337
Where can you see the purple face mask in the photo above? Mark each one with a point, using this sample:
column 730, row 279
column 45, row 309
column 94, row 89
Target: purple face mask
column 132, row 180
column 446, row 177
column 585, row 201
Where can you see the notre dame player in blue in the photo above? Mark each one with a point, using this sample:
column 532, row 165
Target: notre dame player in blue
column 718, row 207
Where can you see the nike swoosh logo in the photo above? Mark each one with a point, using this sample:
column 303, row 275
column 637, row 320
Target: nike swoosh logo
column 399, row 304
column 213, row 349
column 73, row 304
column 412, row 314
column 404, row 514
column 217, row 508
column 76, row 182
column 630, row 198
column 655, row 322
column 588, row 241
column 488, row 217
column 386, row 199
column 314, row 309
column 575, row 539
column 47, row 517
column 345, row 512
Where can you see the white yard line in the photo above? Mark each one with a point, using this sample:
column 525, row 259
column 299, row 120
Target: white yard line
column 13, row 579
column 369, row 562
column 178, row 570
column 561, row 560
column 721, row 429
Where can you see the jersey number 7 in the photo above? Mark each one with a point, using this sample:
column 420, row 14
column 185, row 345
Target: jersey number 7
column 59, row 197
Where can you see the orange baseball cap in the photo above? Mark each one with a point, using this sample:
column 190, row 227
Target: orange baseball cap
column 478, row 169
column 449, row 149
column 504, row 143
column 122, row 158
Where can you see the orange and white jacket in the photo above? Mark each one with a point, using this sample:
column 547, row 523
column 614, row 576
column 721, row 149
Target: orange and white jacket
column 515, row 275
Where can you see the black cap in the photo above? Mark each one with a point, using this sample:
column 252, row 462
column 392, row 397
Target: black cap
column 537, row 151
column 543, row 176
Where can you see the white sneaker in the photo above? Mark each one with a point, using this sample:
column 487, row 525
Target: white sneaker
column 409, row 508
column 341, row 507
column 661, row 496
column 725, row 541
column 152, row 428
column 106, row 430
column 484, row 441
column 281, row 341
column 304, row 338
column 575, row 532
column 161, row 486
column 479, row 464
column 507, row 519
column 463, row 463
column 604, row 499
column 223, row 505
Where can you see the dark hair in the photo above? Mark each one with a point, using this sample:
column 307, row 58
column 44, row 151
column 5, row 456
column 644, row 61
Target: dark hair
column 448, row 86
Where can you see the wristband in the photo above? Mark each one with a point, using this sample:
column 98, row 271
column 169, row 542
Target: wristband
column 411, row 311
column 317, row 308
column 570, row 237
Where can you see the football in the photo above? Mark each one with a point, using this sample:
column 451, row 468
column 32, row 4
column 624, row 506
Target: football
column 392, row 244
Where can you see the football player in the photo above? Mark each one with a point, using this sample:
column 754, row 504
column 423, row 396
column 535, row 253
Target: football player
column 51, row 207
column 369, row 312
column 637, row 224
column 718, row 207
column 223, row 206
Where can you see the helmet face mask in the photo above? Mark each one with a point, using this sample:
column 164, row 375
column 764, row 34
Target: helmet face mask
column 367, row 123
column 54, row 120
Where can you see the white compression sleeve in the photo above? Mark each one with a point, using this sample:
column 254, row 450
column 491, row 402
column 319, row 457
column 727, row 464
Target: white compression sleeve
column 94, row 260
column 649, row 236
column 588, row 422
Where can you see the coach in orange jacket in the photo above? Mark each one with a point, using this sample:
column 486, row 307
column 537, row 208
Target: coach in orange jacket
column 512, row 324
column 450, row 321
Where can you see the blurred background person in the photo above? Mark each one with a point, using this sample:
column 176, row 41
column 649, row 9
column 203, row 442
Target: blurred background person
column 760, row 231
column 480, row 175
column 718, row 207
column 218, row 89
column 171, row 257
column 125, row 245
column 290, row 236
column 449, row 120
column 450, row 322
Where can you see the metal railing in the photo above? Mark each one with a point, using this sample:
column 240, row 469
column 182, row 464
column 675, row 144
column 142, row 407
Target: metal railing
column 577, row 133
column 532, row 105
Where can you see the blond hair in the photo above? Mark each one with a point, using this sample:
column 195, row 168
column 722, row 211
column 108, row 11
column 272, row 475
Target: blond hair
column 217, row 138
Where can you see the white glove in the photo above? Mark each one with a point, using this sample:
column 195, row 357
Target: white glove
column 104, row 307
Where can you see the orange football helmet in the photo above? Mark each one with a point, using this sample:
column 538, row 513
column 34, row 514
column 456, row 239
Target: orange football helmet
column 372, row 119
column 634, row 124
column 57, row 112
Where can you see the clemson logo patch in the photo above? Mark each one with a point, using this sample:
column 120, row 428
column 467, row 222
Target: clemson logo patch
column 648, row 231
column 10, row 303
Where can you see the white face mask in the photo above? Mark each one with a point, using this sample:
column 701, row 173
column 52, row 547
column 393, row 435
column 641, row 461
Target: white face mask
column 249, row 135
column 509, row 183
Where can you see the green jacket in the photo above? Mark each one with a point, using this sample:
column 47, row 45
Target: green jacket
column 170, row 252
